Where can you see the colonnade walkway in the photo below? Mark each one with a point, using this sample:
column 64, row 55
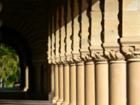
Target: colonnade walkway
column 24, row 102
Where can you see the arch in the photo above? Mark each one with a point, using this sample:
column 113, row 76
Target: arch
column 10, row 70
column 13, row 38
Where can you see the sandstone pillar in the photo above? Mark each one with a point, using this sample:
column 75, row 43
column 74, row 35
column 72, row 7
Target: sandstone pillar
column 89, row 83
column 102, row 82
column 66, row 84
column 133, row 81
column 56, row 84
column 61, row 89
column 80, row 83
column 96, row 52
column 52, row 81
column 133, row 62
column 55, row 54
column 117, row 82
column 130, row 42
column 73, row 84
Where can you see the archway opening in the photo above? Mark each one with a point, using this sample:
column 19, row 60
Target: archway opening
column 10, row 70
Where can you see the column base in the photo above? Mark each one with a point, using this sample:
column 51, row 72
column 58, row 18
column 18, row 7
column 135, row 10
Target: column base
column 65, row 103
column 59, row 102
column 54, row 101
column 72, row 104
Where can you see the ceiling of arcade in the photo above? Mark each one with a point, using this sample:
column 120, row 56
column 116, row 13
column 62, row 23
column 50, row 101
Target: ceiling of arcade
column 29, row 18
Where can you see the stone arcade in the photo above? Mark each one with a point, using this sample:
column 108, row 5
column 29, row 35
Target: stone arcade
column 79, row 52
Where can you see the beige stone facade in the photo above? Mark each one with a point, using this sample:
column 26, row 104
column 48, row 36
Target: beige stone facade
column 94, row 50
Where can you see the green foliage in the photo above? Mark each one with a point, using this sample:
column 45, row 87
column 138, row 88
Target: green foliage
column 9, row 66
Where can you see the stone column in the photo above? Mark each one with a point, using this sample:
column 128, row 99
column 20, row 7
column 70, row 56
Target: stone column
column 102, row 93
column 52, row 81
column 50, row 61
column 117, row 77
column 61, row 84
column 118, row 82
column 133, row 62
column 101, row 72
column 75, row 51
column 26, row 79
column 66, row 84
column 87, row 92
column 101, row 78
column 68, row 54
column 56, row 85
column 101, row 96
column 130, row 42
column 56, row 51
column 80, row 69
column 73, row 84
column 54, row 61
column 117, row 65
column 133, row 81
column 89, row 83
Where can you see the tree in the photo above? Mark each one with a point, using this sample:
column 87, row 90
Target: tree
column 9, row 66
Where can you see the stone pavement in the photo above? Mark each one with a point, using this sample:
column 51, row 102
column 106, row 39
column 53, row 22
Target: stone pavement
column 24, row 102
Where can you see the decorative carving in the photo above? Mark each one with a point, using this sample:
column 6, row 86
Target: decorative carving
column 57, row 60
column 69, row 59
column 85, row 56
column 114, row 54
column 76, row 58
column 131, row 51
column 49, row 60
column 62, row 59
column 97, row 55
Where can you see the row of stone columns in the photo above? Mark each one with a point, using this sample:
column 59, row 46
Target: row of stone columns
column 94, row 57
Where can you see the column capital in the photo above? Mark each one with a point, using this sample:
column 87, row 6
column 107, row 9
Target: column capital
column 130, row 47
column 62, row 59
column 131, row 52
column 76, row 57
column 85, row 56
column 49, row 60
column 69, row 58
column 97, row 54
column 56, row 60
column 113, row 54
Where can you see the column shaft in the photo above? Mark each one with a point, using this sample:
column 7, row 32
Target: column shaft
column 80, row 84
column 60, row 85
column 89, row 83
column 73, row 84
column 66, row 84
column 133, row 82
column 52, row 81
column 56, row 84
column 102, row 88
column 117, row 83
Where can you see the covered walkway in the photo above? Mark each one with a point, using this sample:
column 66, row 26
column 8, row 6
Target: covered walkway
column 24, row 102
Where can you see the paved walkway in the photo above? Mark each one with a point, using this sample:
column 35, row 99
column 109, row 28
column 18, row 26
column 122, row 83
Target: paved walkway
column 24, row 102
